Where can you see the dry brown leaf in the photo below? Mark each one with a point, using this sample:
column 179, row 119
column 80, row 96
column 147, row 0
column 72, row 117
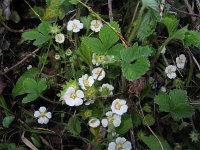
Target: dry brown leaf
column 27, row 142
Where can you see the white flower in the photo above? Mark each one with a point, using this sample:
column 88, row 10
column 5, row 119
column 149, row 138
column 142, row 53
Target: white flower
column 96, row 25
column 171, row 71
column 98, row 73
column 73, row 97
column 119, row 106
column 74, row 25
column 120, row 144
column 60, row 38
column 57, row 56
column 94, row 122
column 112, row 119
column 42, row 115
column 163, row 89
column 29, row 67
column 163, row 50
column 180, row 61
column 86, row 81
column 107, row 86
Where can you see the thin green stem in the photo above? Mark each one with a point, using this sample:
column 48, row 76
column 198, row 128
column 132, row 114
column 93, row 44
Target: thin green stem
column 134, row 15
column 48, row 100
column 139, row 19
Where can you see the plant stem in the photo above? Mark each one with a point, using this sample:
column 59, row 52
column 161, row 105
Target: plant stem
column 139, row 19
column 134, row 15
column 48, row 100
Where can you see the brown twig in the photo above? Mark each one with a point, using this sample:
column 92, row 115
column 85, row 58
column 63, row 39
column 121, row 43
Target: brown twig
column 195, row 15
column 13, row 30
column 110, row 10
column 189, row 9
column 21, row 61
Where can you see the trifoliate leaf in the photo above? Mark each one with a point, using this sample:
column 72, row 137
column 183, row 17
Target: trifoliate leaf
column 151, row 4
column 175, row 103
column 108, row 37
column 192, row 38
column 135, row 62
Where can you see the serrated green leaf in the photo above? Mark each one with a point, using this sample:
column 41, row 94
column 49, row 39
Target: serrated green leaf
column 153, row 143
column 180, row 34
column 41, row 40
column 151, row 4
column 30, row 85
column 18, row 89
column 94, row 45
column 116, row 50
column 7, row 121
column 163, row 101
column 30, row 97
column 74, row 125
column 108, row 37
column 31, row 35
column 171, row 23
column 150, row 119
column 192, row 38
column 86, row 21
column 44, row 28
column 42, row 85
column 85, row 54
column 125, row 125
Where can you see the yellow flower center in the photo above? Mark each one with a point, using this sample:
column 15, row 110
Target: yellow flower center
column 118, row 106
column 170, row 71
column 59, row 37
column 42, row 114
column 101, row 58
column 119, row 147
column 110, row 119
column 74, row 26
column 86, row 82
column 73, row 96
column 96, row 25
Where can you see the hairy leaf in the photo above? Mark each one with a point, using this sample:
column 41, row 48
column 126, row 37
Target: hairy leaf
column 192, row 38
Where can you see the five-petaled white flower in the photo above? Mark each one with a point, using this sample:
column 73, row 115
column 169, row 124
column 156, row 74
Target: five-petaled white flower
column 180, row 61
column 96, row 25
column 74, row 25
column 94, row 122
column 119, row 106
column 60, row 38
column 98, row 59
column 86, row 81
column 42, row 115
column 120, row 144
column 98, row 73
column 171, row 71
column 73, row 97
column 29, row 67
column 112, row 119
column 108, row 87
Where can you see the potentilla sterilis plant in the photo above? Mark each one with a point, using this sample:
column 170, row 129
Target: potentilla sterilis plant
column 180, row 61
column 111, row 120
column 42, row 115
column 120, row 144
column 94, row 122
column 60, row 38
column 106, row 89
column 74, row 25
column 98, row 73
column 171, row 71
column 86, row 81
column 96, row 25
column 73, row 97
column 119, row 106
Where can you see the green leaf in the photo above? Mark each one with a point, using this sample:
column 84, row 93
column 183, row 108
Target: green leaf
column 150, row 119
column 18, row 89
column 74, row 125
column 151, row 4
column 94, row 45
column 86, row 21
column 42, row 85
column 29, row 98
column 153, row 143
column 135, row 62
column 15, row 16
column 192, row 38
column 108, row 36
column 125, row 125
column 115, row 50
column 175, row 103
column 74, row 2
column 171, row 23
column 30, row 85
column 31, row 35
column 180, row 34
column 7, row 121
column 136, row 119
column 85, row 54
column 44, row 28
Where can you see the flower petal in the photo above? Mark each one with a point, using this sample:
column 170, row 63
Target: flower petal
column 48, row 115
column 36, row 114
column 42, row 109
